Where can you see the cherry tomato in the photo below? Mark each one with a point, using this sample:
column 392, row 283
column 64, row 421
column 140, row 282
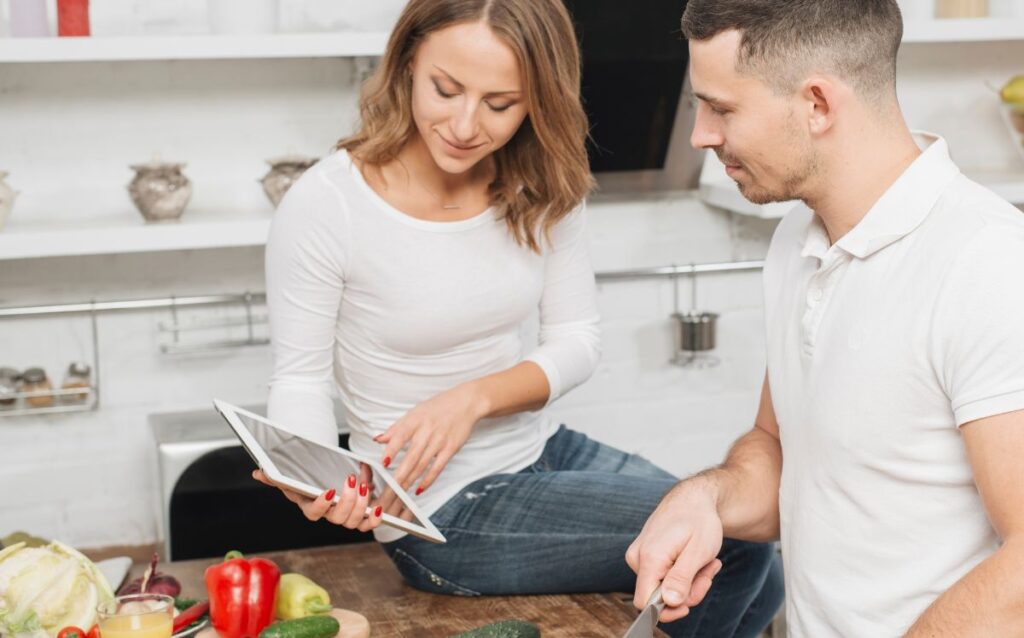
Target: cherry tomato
column 71, row 632
column 94, row 632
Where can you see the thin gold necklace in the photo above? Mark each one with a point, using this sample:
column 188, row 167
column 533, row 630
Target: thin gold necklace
column 440, row 202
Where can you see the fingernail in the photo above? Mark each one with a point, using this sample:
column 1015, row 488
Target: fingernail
column 419, row 490
column 362, row 489
column 378, row 437
column 377, row 512
column 351, row 480
column 330, row 494
column 387, row 461
column 672, row 597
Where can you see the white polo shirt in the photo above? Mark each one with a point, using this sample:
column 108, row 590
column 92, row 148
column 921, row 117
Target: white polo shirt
column 879, row 348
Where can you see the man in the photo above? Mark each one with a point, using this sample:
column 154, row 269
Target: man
column 891, row 423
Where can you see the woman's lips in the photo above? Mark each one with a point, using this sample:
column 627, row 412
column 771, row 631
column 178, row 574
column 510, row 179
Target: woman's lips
column 458, row 149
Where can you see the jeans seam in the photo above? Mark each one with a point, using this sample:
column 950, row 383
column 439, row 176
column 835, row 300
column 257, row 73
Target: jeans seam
column 466, row 591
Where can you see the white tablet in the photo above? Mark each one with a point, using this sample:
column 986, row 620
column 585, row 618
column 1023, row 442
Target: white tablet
column 304, row 466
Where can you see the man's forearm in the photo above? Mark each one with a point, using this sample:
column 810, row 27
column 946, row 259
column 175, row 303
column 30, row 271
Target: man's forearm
column 987, row 601
column 746, row 487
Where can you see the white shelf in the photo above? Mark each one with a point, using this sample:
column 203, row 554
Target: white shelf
column 132, row 235
column 963, row 30
column 197, row 47
column 369, row 44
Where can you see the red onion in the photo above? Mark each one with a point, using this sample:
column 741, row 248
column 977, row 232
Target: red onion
column 152, row 582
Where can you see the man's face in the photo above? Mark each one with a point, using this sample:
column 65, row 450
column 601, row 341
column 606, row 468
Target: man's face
column 757, row 134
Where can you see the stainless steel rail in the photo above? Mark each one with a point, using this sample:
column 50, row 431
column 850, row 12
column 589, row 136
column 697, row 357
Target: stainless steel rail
column 131, row 304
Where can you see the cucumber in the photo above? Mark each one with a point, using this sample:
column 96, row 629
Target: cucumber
column 502, row 629
column 308, row 627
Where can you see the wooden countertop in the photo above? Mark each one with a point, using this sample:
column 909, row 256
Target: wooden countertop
column 361, row 578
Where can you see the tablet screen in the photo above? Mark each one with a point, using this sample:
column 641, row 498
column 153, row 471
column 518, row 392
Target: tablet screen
column 301, row 459
column 312, row 468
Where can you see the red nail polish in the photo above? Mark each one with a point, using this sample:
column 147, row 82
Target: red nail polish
column 387, row 461
column 363, row 489
column 419, row 490
column 330, row 494
column 351, row 480
column 377, row 511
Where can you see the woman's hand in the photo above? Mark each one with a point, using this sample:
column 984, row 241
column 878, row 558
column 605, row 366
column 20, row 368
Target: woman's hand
column 431, row 434
column 349, row 510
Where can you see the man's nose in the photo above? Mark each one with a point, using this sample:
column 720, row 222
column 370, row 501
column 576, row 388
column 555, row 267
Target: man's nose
column 705, row 133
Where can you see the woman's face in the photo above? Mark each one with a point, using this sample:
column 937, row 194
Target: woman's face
column 468, row 98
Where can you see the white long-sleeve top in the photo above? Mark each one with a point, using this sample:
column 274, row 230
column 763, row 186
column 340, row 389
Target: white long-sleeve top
column 389, row 311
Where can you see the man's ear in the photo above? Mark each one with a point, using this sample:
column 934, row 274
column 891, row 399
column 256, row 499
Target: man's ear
column 822, row 98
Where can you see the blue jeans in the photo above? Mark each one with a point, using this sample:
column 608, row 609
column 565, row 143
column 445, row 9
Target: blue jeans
column 563, row 525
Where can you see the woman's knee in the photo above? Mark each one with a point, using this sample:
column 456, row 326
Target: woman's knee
column 421, row 577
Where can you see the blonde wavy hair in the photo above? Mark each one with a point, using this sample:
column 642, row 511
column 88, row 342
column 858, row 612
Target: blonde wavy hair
column 542, row 172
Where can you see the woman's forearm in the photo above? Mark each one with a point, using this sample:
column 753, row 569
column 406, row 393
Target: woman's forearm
column 521, row 388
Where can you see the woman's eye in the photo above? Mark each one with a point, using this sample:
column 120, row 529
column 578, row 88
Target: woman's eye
column 442, row 93
column 499, row 109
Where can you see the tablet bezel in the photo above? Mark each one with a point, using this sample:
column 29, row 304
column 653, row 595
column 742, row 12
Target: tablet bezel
column 230, row 412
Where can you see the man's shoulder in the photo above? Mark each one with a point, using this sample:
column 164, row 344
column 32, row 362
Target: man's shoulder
column 974, row 213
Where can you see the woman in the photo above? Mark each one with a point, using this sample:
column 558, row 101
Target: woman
column 401, row 271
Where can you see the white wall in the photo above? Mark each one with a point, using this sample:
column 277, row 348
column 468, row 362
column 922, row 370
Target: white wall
column 67, row 133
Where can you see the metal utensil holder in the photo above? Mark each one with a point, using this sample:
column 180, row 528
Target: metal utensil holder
column 177, row 327
column 58, row 397
column 695, row 330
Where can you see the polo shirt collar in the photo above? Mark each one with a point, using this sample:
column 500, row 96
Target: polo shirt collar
column 901, row 209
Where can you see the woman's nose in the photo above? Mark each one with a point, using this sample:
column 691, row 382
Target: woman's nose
column 464, row 124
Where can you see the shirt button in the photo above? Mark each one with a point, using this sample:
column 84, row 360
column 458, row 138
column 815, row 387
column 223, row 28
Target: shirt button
column 816, row 294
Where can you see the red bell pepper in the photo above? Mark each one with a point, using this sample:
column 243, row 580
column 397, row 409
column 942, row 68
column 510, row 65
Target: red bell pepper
column 243, row 595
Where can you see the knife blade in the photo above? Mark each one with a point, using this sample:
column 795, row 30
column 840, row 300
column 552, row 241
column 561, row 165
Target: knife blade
column 643, row 626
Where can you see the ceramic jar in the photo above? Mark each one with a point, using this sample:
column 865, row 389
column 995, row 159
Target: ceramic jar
column 7, row 195
column 160, row 190
column 284, row 171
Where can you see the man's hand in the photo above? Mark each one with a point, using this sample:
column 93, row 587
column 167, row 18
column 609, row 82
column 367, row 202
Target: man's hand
column 678, row 548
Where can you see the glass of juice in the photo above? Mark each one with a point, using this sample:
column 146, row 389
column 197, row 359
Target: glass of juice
column 137, row 616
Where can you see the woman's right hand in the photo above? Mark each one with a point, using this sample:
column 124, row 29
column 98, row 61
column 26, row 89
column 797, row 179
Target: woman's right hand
column 352, row 500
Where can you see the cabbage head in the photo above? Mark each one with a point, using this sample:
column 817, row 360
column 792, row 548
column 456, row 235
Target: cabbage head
column 44, row 589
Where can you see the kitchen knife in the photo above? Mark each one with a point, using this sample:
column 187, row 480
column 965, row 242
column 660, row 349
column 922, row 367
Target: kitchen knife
column 643, row 626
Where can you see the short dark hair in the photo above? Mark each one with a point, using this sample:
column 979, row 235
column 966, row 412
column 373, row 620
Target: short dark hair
column 782, row 39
